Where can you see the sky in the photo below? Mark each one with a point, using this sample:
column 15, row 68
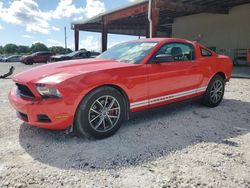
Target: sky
column 24, row 22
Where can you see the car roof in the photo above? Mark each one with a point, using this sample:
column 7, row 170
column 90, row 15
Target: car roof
column 14, row 56
column 164, row 40
column 43, row 52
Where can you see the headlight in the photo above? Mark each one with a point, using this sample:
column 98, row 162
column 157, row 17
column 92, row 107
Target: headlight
column 48, row 91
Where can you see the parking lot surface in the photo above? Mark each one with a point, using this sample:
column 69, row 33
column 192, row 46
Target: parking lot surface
column 187, row 145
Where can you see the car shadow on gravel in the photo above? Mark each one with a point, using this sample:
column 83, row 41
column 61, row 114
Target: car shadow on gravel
column 145, row 137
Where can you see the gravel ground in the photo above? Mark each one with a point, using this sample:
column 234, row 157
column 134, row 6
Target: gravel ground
column 186, row 145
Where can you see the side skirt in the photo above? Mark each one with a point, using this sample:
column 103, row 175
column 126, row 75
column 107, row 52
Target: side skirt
column 166, row 106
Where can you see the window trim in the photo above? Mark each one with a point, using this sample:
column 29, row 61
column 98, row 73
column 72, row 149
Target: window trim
column 151, row 61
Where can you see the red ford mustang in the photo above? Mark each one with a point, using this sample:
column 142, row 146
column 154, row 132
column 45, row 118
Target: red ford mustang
column 96, row 95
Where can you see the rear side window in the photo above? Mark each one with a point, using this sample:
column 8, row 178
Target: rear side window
column 205, row 53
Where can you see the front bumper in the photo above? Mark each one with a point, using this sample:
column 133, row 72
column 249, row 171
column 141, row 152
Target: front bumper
column 59, row 113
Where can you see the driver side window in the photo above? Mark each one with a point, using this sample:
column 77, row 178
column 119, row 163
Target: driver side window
column 179, row 51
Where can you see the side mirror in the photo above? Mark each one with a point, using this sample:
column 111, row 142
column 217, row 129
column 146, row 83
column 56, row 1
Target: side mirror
column 164, row 58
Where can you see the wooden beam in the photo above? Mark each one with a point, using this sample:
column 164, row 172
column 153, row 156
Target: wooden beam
column 128, row 12
column 76, row 31
column 104, row 34
column 225, row 3
column 155, row 18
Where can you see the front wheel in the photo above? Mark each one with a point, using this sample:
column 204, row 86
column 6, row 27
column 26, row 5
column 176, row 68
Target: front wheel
column 215, row 92
column 101, row 113
column 29, row 62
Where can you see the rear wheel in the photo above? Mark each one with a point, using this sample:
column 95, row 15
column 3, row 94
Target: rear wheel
column 101, row 113
column 29, row 62
column 215, row 92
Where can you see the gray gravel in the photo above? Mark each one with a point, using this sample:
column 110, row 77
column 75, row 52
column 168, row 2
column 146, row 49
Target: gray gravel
column 186, row 145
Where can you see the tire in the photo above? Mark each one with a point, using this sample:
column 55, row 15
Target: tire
column 93, row 119
column 29, row 62
column 215, row 92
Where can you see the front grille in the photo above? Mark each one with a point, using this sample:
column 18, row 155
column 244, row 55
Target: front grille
column 24, row 91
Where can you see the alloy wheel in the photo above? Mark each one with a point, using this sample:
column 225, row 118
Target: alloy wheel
column 216, row 91
column 104, row 113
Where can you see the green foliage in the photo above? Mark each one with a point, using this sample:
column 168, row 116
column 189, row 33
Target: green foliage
column 23, row 49
column 57, row 49
column 10, row 49
column 1, row 50
column 68, row 50
column 83, row 49
column 38, row 47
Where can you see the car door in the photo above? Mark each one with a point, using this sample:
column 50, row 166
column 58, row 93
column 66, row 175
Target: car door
column 15, row 59
column 174, row 80
column 81, row 55
column 77, row 56
column 39, row 57
column 44, row 57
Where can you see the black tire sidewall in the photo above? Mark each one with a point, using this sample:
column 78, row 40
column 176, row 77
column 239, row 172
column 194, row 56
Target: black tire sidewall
column 207, row 98
column 82, row 124
column 29, row 62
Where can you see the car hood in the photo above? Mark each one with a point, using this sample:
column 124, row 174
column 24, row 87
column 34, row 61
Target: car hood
column 58, row 72
column 27, row 57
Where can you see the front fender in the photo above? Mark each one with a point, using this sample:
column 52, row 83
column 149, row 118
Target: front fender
column 75, row 89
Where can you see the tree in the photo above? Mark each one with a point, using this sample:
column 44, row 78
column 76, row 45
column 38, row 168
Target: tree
column 83, row 49
column 10, row 48
column 57, row 49
column 23, row 49
column 1, row 50
column 38, row 47
column 68, row 50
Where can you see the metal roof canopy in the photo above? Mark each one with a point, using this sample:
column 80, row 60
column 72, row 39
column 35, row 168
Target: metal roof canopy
column 133, row 18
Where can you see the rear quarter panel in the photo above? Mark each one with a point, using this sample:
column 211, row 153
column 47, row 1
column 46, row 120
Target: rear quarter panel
column 211, row 65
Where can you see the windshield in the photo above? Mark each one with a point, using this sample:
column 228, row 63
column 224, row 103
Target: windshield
column 129, row 52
